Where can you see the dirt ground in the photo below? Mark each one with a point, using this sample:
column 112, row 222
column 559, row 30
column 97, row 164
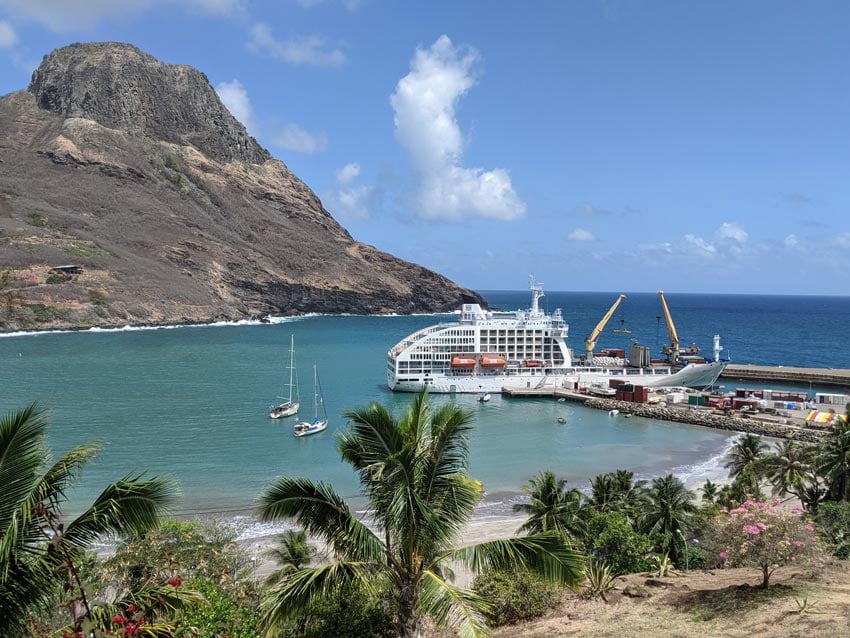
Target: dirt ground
column 726, row 602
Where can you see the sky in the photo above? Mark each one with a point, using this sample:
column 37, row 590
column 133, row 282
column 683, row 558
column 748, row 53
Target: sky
column 602, row 145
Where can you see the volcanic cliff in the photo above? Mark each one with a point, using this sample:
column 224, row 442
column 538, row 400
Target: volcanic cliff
column 134, row 171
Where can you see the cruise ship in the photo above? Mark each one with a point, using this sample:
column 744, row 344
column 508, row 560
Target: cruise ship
column 484, row 353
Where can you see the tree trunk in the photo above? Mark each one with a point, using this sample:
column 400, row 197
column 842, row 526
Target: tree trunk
column 765, row 572
column 408, row 622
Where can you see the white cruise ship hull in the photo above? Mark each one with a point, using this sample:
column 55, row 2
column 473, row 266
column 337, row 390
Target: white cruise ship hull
column 693, row 375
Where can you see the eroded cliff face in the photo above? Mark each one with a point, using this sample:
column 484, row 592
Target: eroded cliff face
column 135, row 171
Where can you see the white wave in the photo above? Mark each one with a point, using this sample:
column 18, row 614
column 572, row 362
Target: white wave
column 693, row 475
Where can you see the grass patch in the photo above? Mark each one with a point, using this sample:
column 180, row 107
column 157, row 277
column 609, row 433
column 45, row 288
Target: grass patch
column 42, row 313
column 37, row 219
column 97, row 297
column 87, row 249
column 710, row 605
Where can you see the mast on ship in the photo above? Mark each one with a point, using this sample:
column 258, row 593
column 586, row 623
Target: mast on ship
column 536, row 293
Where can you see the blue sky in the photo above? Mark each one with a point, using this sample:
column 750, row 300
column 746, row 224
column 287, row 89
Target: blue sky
column 608, row 145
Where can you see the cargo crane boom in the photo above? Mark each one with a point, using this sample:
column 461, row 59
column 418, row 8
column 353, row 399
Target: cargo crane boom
column 672, row 351
column 590, row 342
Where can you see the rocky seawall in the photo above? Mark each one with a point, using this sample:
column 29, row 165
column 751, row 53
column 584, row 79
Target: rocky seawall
column 709, row 419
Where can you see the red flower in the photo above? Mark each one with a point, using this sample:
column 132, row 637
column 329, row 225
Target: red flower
column 175, row 582
column 118, row 619
column 131, row 608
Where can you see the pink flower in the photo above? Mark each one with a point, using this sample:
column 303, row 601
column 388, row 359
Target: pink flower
column 775, row 502
column 175, row 582
column 793, row 558
column 118, row 619
column 752, row 529
column 808, row 527
column 799, row 543
column 761, row 526
column 724, row 555
column 812, row 539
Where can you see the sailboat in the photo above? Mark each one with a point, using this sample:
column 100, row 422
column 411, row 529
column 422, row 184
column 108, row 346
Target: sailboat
column 288, row 407
column 305, row 428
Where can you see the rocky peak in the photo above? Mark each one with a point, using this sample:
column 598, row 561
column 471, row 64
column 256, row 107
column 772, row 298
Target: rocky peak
column 124, row 88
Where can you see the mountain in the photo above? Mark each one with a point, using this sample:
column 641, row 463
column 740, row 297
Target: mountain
column 133, row 171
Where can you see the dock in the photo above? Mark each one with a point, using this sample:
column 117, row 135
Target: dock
column 788, row 374
column 548, row 392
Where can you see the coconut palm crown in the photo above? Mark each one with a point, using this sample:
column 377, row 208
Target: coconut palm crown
column 38, row 546
column 414, row 473
column 552, row 507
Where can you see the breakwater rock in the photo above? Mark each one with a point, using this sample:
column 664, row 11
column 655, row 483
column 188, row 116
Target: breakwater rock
column 709, row 419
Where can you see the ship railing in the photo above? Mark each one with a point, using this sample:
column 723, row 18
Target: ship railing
column 411, row 339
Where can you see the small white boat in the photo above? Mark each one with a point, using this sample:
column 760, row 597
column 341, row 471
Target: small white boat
column 483, row 398
column 305, row 428
column 613, row 412
column 561, row 400
column 561, row 419
column 601, row 389
column 288, row 407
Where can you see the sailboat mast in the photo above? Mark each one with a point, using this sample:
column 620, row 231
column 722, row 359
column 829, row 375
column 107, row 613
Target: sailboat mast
column 291, row 363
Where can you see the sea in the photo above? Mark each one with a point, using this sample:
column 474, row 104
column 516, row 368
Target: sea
column 192, row 402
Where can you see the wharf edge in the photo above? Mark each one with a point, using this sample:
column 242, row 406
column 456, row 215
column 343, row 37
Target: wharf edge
column 788, row 374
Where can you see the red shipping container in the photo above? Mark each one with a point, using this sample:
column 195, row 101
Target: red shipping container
column 628, row 396
column 613, row 383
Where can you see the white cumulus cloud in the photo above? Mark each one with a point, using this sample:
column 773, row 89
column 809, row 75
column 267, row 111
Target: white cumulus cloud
column 704, row 247
column 350, row 201
column 294, row 138
column 791, row 241
column 732, row 231
column 234, row 96
column 313, row 49
column 8, row 37
column 580, row 234
column 347, row 173
column 426, row 126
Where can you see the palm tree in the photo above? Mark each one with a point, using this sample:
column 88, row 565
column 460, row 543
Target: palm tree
column 789, row 470
column 37, row 546
column 744, row 453
column 617, row 492
column 552, row 507
column 669, row 511
column 833, row 460
column 710, row 491
column 291, row 552
column 413, row 472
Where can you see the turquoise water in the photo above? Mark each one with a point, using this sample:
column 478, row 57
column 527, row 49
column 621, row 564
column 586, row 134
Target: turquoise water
column 193, row 402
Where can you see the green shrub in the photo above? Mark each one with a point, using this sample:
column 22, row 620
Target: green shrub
column 96, row 297
column 349, row 613
column 56, row 278
column 37, row 219
column 515, row 595
column 834, row 527
column 228, row 611
column 611, row 538
column 600, row 579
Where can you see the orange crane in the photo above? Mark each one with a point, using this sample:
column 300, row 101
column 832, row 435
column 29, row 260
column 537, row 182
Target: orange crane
column 590, row 342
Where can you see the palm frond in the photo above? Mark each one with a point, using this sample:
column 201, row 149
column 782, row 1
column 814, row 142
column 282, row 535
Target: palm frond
column 322, row 513
column 451, row 606
column 545, row 554
column 295, row 593
column 23, row 455
column 129, row 507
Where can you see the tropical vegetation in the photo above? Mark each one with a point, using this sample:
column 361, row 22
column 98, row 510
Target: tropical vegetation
column 413, row 471
column 42, row 553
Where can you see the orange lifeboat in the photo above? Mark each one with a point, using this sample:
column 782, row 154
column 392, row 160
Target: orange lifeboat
column 531, row 363
column 492, row 362
column 461, row 362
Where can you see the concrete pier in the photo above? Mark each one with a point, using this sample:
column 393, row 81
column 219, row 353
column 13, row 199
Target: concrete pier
column 787, row 374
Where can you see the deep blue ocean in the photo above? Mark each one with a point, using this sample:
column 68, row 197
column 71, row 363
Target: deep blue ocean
column 193, row 401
